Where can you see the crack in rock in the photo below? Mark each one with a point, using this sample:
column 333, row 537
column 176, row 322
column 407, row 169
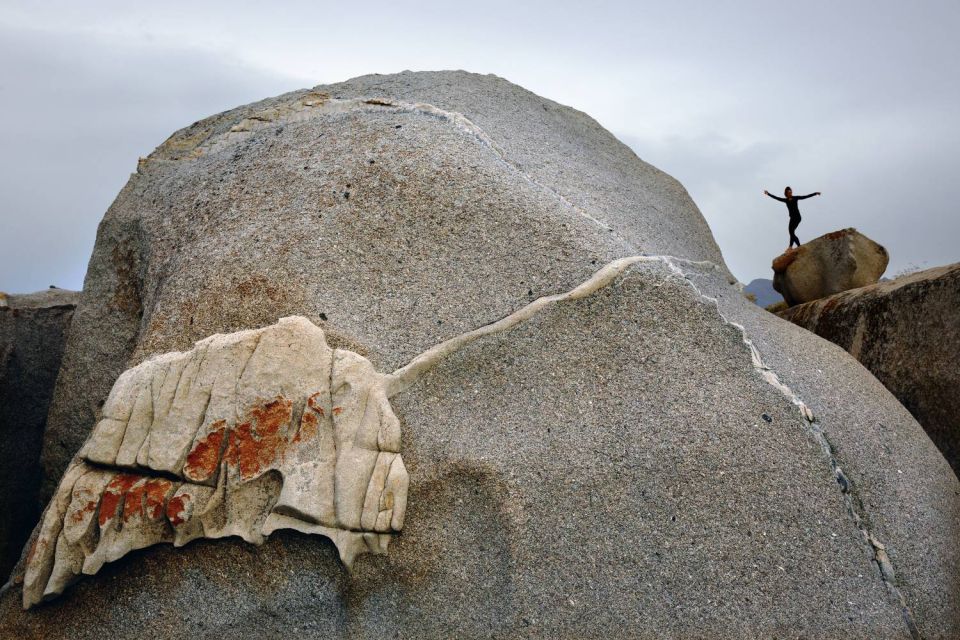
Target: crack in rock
column 880, row 557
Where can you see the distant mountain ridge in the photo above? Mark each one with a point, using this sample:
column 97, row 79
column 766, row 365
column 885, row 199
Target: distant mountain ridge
column 762, row 289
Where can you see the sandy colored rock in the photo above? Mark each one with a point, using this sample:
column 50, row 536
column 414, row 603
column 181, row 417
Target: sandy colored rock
column 243, row 435
column 647, row 454
column 832, row 263
column 907, row 333
column 33, row 331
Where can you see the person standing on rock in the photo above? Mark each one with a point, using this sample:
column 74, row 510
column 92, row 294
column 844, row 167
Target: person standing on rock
column 793, row 209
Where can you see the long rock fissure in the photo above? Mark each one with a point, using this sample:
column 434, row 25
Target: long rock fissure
column 407, row 375
column 880, row 557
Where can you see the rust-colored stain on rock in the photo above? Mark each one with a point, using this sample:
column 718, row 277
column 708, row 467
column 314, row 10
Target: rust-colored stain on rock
column 113, row 494
column 308, row 428
column 314, row 403
column 204, row 459
column 177, row 509
column 257, row 442
column 79, row 514
column 836, row 235
column 155, row 491
column 781, row 262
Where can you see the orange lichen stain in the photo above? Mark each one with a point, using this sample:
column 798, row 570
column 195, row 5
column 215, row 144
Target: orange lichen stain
column 257, row 442
column 308, row 427
column 79, row 514
column 781, row 262
column 133, row 501
column 834, row 235
column 155, row 490
column 314, row 403
column 337, row 411
column 204, row 459
column 177, row 509
column 145, row 498
column 114, row 493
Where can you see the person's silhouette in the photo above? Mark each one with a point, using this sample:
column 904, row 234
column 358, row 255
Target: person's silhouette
column 793, row 209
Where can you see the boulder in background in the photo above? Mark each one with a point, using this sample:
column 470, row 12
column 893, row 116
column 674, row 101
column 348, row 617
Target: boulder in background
column 907, row 333
column 832, row 263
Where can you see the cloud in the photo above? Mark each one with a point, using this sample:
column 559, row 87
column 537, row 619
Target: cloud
column 854, row 99
column 77, row 112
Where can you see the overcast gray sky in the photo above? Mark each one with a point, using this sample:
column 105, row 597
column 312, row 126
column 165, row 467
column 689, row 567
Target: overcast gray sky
column 859, row 100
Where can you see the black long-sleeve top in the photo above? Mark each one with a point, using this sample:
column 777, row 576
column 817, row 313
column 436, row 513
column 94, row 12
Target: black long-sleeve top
column 792, row 203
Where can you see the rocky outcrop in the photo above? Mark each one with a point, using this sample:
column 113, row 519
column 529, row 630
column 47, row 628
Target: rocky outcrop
column 907, row 333
column 243, row 435
column 598, row 442
column 832, row 263
column 33, row 330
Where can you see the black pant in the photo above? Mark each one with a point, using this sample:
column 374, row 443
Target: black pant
column 794, row 223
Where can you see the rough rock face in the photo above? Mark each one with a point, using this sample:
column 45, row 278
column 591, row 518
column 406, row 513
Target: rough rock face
column 621, row 459
column 907, row 333
column 33, row 330
column 242, row 435
column 832, row 263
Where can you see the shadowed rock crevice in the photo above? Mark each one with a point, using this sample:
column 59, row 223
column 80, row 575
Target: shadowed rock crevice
column 33, row 331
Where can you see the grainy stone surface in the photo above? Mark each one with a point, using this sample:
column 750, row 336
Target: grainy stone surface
column 619, row 463
column 907, row 333
column 896, row 478
column 834, row 262
column 33, row 330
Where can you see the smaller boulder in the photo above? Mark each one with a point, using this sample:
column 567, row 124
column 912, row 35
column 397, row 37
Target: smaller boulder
column 832, row 263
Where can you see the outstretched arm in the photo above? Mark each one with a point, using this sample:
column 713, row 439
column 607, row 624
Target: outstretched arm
column 809, row 195
column 774, row 197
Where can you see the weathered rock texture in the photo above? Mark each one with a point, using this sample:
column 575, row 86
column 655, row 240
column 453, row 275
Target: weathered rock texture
column 33, row 330
column 624, row 461
column 907, row 333
column 242, row 435
column 832, row 263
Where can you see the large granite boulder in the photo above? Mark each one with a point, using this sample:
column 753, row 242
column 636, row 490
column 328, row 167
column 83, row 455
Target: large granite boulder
column 33, row 331
column 832, row 263
column 907, row 333
column 599, row 442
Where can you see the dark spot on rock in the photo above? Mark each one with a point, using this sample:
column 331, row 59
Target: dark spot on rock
column 346, row 195
column 673, row 518
column 530, row 292
column 398, row 126
column 323, row 316
column 371, row 161
column 843, row 482
column 767, row 418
